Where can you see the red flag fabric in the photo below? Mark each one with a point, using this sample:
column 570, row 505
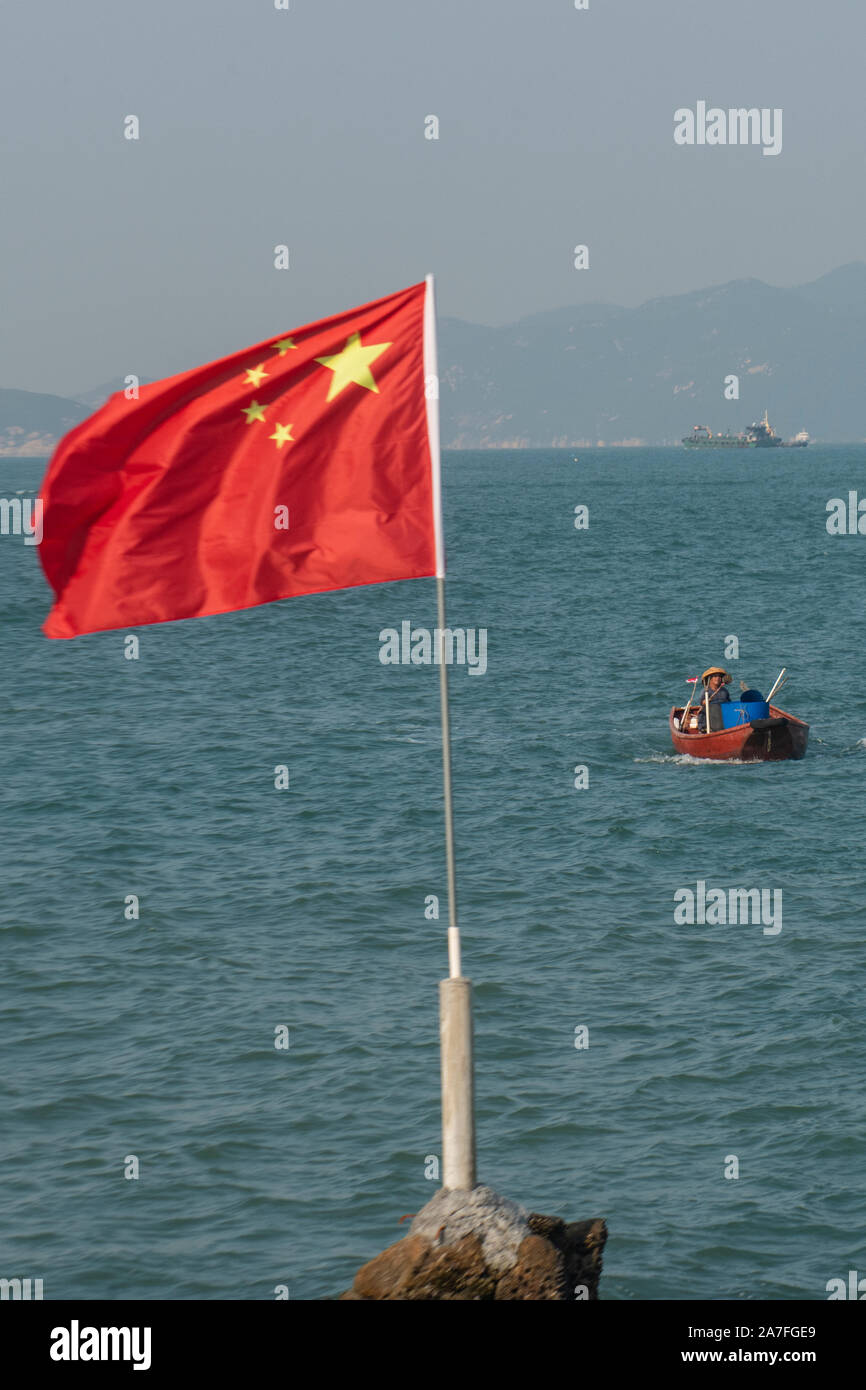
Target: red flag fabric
column 299, row 465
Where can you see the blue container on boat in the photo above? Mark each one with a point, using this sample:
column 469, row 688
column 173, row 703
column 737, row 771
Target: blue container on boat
column 735, row 713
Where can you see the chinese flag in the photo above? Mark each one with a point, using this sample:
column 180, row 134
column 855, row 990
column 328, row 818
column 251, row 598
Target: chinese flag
column 296, row 466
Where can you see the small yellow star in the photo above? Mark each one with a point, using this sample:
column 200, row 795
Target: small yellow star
column 352, row 365
column 255, row 375
column 283, row 346
column 254, row 412
column 282, row 434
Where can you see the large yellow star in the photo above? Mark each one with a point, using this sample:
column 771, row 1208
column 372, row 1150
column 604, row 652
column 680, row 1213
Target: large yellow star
column 254, row 412
column 283, row 346
column 282, row 434
column 255, row 374
column 352, row 365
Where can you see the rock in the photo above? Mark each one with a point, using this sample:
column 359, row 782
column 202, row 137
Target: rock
column 539, row 1273
column 584, row 1246
column 414, row 1270
column 455, row 1272
column 387, row 1275
column 553, row 1227
column 581, row 1244
column 476, row 1246
column 453, row 1212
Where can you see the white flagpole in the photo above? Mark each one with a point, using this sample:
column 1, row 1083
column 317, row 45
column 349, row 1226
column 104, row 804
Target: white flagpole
column 455, row 993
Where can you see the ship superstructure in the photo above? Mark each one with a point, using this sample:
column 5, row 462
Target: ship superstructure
column 759, row 435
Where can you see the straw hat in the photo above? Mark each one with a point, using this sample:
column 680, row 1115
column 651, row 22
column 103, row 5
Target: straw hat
column 716, row 671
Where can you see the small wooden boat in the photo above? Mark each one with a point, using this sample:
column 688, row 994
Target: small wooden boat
column 779, row 736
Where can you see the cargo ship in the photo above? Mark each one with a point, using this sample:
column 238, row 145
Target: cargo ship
column 759, row 435
column 702, row 437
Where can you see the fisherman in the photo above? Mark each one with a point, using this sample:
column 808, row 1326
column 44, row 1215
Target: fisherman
column 715, row 681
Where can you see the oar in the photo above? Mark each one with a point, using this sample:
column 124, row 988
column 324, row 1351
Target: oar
column 780, row 685
column 693, row 682
column 777, row 685
column 778, row 688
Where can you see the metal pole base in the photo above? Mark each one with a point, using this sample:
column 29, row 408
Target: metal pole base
column 458, row 1099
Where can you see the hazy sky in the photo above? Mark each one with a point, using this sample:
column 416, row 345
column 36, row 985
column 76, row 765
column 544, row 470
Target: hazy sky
column 306, row 127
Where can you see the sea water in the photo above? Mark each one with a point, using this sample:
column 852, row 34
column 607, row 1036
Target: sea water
column 235, row 1092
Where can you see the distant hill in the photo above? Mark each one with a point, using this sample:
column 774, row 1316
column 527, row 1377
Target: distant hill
column 31, row 423
column 600, row 372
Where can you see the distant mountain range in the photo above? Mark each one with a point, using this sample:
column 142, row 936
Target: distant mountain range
column 600, row 373
column 31, row 423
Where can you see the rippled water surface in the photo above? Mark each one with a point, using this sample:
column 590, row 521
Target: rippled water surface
column 305, row 907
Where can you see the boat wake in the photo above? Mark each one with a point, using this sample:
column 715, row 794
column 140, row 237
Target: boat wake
column 687, row 760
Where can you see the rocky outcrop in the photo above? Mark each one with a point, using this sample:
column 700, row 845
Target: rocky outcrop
column 477, row 1246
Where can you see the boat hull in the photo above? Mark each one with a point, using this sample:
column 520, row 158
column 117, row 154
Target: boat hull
column 717, row 442
column 749, row 744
